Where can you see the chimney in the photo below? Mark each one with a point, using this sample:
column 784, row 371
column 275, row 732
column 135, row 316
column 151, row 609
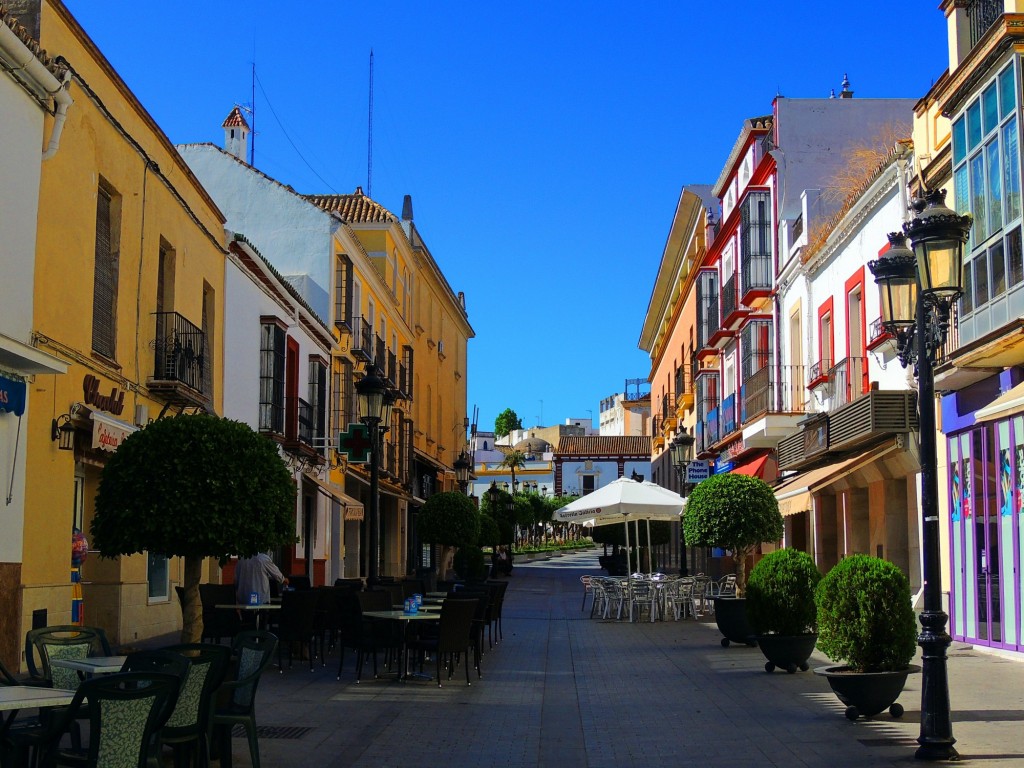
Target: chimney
column 407, row 208
column 846, row 93
column 709, row 227
column 236, row 135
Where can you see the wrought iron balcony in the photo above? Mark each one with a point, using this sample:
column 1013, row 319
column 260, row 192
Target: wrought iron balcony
column 730, row 298
column 773, row 390
column 847, row 381
column 727, row 415
column 362, row 339
column 708, row 321
column 818, row 373
column 981, row 15
column 180, row 360
column 757, row 273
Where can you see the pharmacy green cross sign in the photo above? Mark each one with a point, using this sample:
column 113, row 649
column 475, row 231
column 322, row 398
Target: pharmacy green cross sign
column 354, row 442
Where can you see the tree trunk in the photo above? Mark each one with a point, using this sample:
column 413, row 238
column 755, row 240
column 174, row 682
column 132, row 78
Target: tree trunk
column 447, row 552
column 192, row 609
column 741, row 569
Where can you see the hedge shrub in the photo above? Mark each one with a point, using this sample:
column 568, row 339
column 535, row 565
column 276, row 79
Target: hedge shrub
column 780, row 594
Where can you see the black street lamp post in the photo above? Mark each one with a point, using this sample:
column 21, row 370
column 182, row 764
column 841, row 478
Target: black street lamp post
column 915, row 306
column 376, row 400
column 681, row 451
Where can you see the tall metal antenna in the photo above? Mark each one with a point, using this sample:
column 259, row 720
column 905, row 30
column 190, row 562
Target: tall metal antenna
column 369, row 137
column 252, row 128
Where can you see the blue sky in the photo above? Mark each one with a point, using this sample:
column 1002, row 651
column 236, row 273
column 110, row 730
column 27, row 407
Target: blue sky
column 544, row 144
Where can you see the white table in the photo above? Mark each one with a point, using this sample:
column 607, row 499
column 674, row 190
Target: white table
column 402, row 616
column 15, row 697
column 92, row 665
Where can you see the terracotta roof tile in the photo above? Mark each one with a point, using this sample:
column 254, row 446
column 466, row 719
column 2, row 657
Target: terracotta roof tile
column 604, row 445
column 7, row 17
column 354, row 208
column 235, row 120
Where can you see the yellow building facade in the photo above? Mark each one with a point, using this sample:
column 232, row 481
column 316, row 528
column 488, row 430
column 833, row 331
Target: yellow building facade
column 129, row 293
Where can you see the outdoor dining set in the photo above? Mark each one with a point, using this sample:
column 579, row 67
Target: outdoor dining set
column 654, row 596
column 184, row 700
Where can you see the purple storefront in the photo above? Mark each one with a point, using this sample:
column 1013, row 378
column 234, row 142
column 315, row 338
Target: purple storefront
column 984, row 428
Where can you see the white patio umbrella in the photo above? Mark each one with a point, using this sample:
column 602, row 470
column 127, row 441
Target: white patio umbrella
column 623, row 499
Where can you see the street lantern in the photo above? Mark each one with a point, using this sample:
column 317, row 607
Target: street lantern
column 681, row 449
column 937, row 236
column 371, row 390
column 462, row 466
column 493, row 497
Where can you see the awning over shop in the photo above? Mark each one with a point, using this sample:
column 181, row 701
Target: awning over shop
column 12, row 396
column 25, row 359
column 794, row 495
column 353, row 507
column 108, row 433
column 1008, row 403
column 753, row 468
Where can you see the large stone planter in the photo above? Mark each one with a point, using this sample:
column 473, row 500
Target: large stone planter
column 867, row 693
column 788, row 652
column 731, row 617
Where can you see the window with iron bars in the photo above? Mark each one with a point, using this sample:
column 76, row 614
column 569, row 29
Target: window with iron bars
column 272, row 357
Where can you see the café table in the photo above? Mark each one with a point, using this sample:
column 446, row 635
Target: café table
column 404, row 618
column 436, row 594
column 17, row 697
column 92, row 665
column 258, row 607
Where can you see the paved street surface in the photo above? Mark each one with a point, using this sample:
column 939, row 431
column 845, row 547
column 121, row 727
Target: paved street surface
column 565, row 691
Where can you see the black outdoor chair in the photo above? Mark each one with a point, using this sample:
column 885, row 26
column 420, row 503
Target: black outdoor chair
column 187, row 729
column 375, row 635
column 496, row 607
column 236, row 698
column 296, row 625
column 219, row 623
column 454, row 637
column 65, row 641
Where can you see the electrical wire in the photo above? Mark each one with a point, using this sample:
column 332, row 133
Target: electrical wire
column 289, row 138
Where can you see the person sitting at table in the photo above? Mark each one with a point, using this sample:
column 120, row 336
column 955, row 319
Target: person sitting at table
column 253, row 574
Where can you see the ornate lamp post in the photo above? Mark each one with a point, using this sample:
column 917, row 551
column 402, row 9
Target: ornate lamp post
column 376, row 400
column 681, row 452
column 915, row 304
column 462, row 466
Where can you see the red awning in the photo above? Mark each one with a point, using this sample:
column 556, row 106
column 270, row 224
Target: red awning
column 753, row 468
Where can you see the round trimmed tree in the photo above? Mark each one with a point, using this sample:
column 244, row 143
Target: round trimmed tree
column 733, row 512
column 451, row 520
column 194, row 487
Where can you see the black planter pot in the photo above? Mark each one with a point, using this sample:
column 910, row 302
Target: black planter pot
column 788, row 652
column 867, row 693
column 731, row 617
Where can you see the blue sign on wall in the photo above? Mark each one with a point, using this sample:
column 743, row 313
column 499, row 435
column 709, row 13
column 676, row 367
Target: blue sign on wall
column 723, row 466
column 12, row 396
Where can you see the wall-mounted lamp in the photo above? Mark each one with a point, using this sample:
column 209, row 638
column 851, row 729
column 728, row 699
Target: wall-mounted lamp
column 62, row 432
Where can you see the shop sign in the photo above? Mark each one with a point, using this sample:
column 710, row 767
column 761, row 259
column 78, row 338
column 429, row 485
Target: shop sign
column 114, row 402
column 353, row 512
column 697, row 471
column 12, row 396
column 723, row 465
column 108, row 434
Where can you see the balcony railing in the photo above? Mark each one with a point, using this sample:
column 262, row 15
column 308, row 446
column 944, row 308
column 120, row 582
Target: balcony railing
column 684, row 380
column 668, row 406
column 712, row 430
column 846, row 381
column 981, row 15
column 773, row 390
column 730, row 296
column 180, row 349
column 876, row 331
column 307, row 427
column 819, row 372
column 380, row 356
column 362, row 339
column 952, row 335
column 709, row 321
column 757, row 272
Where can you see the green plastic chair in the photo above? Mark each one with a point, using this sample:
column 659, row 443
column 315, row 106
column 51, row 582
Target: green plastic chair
column 253, row 651
column 66, row 641
column 124, row 710
column 187, row 729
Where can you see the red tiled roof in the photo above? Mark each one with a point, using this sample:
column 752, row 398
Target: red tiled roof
column 7, row 17
column 604, row 445
column 235, row 120
column 354, row 208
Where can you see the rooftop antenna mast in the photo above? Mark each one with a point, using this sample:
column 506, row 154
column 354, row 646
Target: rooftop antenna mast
column 369, row 139
column 252, row 112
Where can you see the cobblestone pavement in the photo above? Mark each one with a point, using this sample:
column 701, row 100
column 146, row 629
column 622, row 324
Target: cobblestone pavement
column 564, row 691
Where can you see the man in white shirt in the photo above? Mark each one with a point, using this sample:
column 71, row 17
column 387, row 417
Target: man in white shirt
column 253, row 574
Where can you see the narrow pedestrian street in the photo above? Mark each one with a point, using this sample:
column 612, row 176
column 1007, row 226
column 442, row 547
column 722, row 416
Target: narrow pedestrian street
column 564, row 691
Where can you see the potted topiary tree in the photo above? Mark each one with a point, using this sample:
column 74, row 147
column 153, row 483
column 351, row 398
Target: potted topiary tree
column 866, row 622
column 451, row 520
column 734, row 512
column 781, row 608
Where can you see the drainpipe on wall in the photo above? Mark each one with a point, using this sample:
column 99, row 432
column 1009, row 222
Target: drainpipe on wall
column 42, row 81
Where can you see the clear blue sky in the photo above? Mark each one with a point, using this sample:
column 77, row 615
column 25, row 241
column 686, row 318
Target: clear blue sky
column 544, row 144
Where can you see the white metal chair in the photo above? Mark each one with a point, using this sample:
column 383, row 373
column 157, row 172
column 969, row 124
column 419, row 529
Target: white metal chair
column 587, row 590
column 679, row 596
column 644, row 598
